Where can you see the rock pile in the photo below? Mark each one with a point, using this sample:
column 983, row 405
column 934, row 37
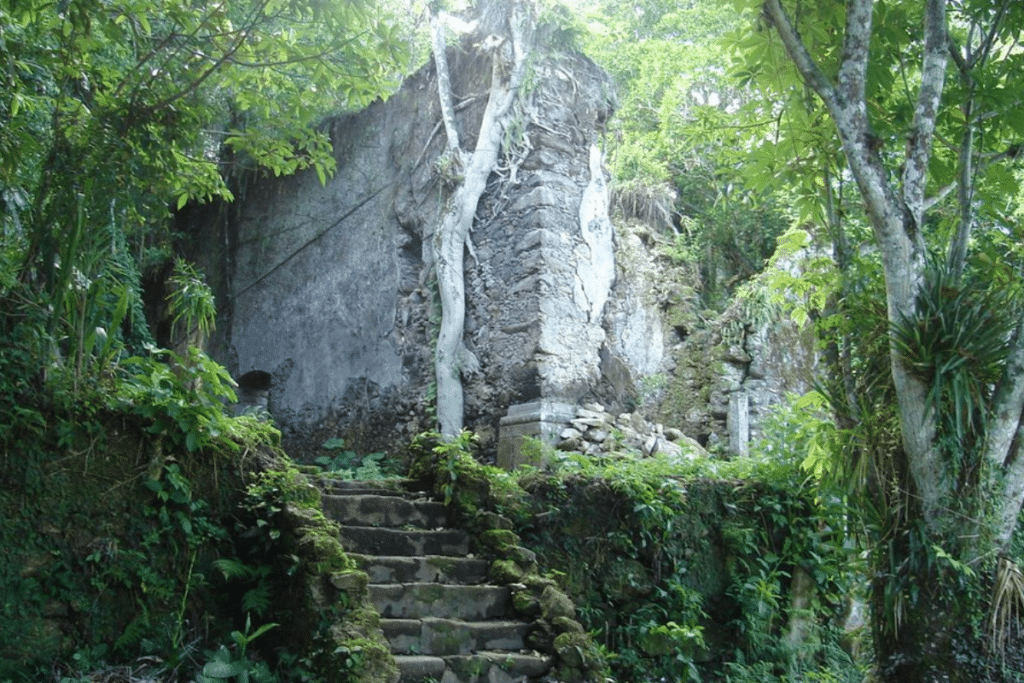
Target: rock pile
column 595, row 431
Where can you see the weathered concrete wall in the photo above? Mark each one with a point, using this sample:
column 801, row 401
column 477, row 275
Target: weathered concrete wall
column 329, row 289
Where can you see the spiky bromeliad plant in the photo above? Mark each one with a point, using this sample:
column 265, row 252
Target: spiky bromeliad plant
column 957, row 340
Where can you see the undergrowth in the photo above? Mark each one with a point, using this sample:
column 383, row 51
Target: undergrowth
column 717, row 570
column 148, row 534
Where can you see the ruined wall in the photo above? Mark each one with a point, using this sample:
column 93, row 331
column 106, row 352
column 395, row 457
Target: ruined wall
column 328, row 288
column 714, row 375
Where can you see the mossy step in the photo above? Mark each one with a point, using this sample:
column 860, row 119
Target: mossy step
column 371, row 540
column 481, row 667
column 437, row 568
column 384, row 487
column 442, row 637
column 384, row 511
column 414, row 600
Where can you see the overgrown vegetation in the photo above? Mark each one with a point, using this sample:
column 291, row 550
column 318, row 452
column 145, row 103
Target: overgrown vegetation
column 150, row 532
column 719, row 570
column 125, row 530
column 146, row 530
column 673, row 155
column 343, row 463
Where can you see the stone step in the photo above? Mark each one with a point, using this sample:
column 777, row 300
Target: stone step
column 465, row 571
column 482, row 667
column 442, row 620
column 346, row 487
column 415, row 600
column 371, row 540
column 440, row 637
column 384, row 511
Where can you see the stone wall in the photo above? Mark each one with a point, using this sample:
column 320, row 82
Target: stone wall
column 327, row 288
column 714, row 375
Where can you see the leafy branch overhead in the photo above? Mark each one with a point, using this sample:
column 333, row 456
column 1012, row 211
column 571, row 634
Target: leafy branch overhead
column 133, row 106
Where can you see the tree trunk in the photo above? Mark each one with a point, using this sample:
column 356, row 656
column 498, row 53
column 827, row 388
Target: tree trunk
column 925, row 557
column 924, row 639
column 452, row 235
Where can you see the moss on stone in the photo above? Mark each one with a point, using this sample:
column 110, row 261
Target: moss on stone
column 505, row 571
column 526, row 603
column 428, row 593
column 364, row 661
column 492, row 520
column 321, row 553
column 626, row 579
column 366, row 619
column 523, row 556
column 554, row 603
column 579, row 658
column 567, row 625
column 353, row 582
column 501, row 541
column 446, row 637
column 538, row 583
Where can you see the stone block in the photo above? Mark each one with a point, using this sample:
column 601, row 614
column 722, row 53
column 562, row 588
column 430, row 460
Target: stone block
column 544, row 420
column 739, row 423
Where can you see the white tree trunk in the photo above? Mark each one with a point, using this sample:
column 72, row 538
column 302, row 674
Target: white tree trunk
column 452, row 234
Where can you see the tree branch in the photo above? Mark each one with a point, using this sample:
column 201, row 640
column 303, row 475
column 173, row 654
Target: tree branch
column 922, row 130
column 444, row 86
column 797, row 51
column 451, row 237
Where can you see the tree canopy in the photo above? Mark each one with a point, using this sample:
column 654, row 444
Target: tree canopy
column 671, row 137
column 115, row 110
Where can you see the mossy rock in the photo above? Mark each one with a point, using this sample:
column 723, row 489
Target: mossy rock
column 567, row 625
column 554, row 603
column 506, row 571
column 492, row 520
column 579, row 658
column 321, row 553
column 501, row 541
column 472, row 491
column 625, row 579
column 366, row 620
column 524, row 557
column 526, row 603
column 362, row 661
column 538, row 583
column 354, row 582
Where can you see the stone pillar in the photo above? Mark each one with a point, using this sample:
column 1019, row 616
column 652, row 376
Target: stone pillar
column 739, row 423
column 543, row 420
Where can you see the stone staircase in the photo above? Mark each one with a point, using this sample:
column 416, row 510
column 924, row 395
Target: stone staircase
column 442, row 619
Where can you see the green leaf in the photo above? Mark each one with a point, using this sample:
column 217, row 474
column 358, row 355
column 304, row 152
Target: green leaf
column 219, row 669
